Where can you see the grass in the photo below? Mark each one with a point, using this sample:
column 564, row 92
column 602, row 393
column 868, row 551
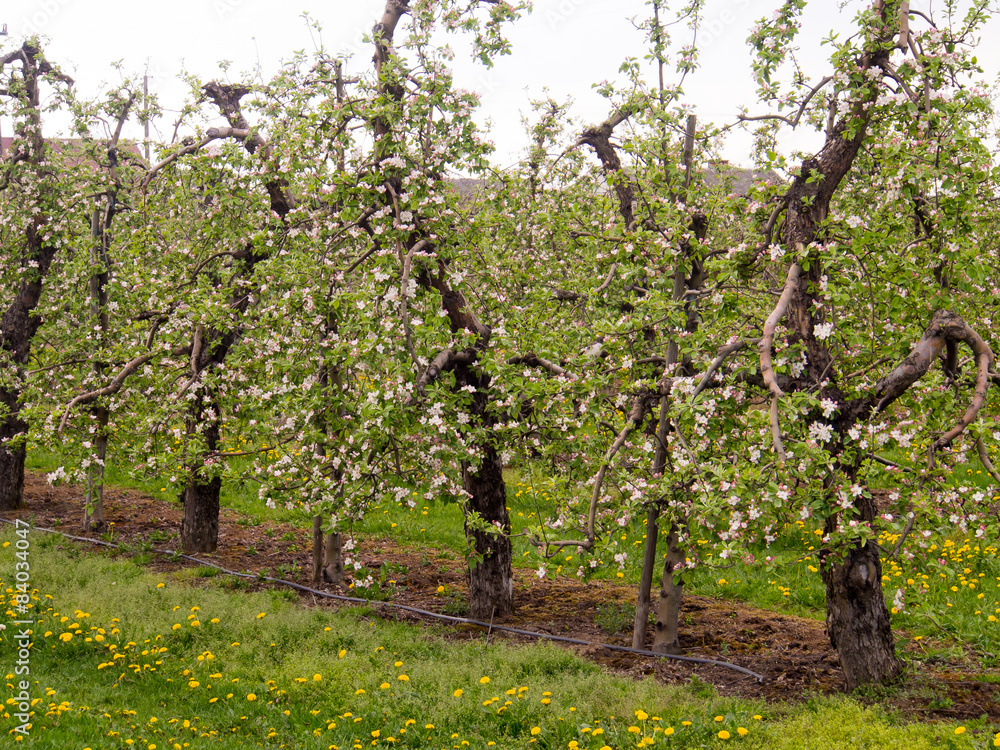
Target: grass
column 122, row 658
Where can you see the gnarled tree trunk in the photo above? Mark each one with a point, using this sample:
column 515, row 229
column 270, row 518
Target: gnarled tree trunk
column 857, row 619
column 12, row 454
column 200, row 525
column 491, row 582
column 18, row 324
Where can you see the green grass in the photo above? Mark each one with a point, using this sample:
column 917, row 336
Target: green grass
column 122, row 658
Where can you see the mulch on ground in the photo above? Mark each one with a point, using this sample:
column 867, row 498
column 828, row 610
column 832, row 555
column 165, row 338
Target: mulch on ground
column 792, row 653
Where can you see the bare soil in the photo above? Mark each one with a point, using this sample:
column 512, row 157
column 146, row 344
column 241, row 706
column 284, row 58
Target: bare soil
column 792, row 653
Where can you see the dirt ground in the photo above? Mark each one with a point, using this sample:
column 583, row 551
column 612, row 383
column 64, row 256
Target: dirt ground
column 792, row 653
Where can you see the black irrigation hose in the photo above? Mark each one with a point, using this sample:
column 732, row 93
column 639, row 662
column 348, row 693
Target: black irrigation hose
column 414, row 610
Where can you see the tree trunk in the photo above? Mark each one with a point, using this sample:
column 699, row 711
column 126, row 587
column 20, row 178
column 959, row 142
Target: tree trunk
column 491, row 581
column 857, row 619
column 200, row 527
column 665, row 635
column 643, row 603
column 93, row 503
column 11, row 458
column 317, row 549
column 333, row 571
column 18, row 324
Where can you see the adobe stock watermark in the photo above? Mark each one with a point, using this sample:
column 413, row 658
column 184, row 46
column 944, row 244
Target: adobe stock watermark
column 223, row 8
column 565, row 11
column 22, row 630
column 41, row 16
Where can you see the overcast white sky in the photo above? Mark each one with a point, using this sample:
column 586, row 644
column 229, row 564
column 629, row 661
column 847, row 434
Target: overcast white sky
column 564, row 46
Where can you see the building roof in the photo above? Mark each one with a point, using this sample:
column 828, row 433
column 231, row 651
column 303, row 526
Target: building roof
column 719, row 171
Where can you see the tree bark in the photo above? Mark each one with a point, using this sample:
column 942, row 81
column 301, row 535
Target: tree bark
column 857, row 619
column 666, row 637
column 12, row 455
column 93, row 502
column 491, row 582
column 200, row 525
column 643, row 603
column 317, row 549
column 333, row 571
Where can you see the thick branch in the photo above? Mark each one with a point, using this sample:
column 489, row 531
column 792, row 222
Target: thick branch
column 115, row 385
column 212, row 134
column 533, row 360
column 766, row 369
column 945, row 326
column 724, row 353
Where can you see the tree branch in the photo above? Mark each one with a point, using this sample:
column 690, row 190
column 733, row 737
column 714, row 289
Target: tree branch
column 212, row 134
column 766, row 369
column 798, row 115
column 403, row 309
column 533, row 360
column 114, row 386
column 724, row 353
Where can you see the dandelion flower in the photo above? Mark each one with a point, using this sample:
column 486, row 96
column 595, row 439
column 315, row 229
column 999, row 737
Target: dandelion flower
column 458, row 693
column 484, row 680
column 724, row 735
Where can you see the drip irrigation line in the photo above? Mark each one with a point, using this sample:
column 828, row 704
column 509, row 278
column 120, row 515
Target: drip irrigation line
column 489, row 627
